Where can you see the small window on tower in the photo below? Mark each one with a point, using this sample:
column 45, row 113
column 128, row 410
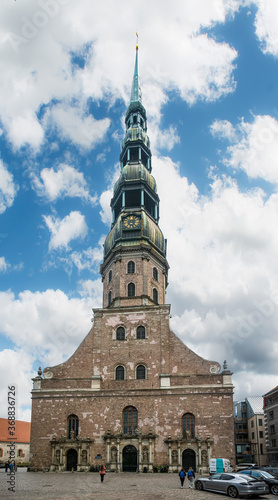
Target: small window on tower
column 109, row 298
column 120, row 373
column 155, row 274
column 110, row 276
column 141, row 332
column 155, row 296
column 73, row 424
column 131, row 290
column 131, row 267
column 141, row 372
column 120, row 333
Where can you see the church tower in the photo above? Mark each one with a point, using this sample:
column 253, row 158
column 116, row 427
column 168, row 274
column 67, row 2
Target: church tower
column 135, row 268
column 132, row 396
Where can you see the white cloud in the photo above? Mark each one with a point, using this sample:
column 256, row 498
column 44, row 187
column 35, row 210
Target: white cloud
column 72, row 124
column 73, row 226
column 4, row 265
column 256, row 148
column 63, row 181
column 8, row 188
column 266, row 23
column 89, row 259
column 223, row 268
column 223, row 129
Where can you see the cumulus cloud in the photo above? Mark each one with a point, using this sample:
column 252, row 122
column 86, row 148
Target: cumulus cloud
column 73, row 125
column 255, row 147
column 222, row 297
column 266, row 23
column 8, row 188
column 223, row 129
column 4, row 265
column 71, row 227
column 62, row 181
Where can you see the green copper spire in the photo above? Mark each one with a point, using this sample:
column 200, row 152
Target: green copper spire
column 136, row 95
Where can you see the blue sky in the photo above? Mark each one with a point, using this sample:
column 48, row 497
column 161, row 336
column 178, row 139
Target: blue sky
column 209, row 73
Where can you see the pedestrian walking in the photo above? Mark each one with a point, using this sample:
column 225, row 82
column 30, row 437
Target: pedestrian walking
column 7, row 463
column 182, row 477
column 191, row 476
column 102, row 473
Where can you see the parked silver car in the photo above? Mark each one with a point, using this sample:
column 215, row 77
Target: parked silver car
column 265, row 476
column 232, row 484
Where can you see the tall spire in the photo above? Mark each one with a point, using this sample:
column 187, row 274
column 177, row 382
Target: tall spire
column 136, row 95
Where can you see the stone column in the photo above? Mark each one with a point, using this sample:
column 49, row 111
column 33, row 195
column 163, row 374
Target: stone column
column 108, row 451
column 150, row 454
column 170, row 453
column 179, row 453
column 199, row 454
column 140, row 455
column 118, row 466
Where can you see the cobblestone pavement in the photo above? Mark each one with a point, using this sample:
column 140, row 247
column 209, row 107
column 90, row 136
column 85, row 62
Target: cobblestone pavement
column 84, row 486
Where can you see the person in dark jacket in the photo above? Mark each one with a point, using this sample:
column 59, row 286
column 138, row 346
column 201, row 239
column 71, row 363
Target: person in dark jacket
column 182, row 477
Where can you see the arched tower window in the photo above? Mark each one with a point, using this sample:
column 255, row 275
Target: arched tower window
column 188, row 425
column 140, row 372
column 155, row 273
column 120, row 373
column 155, row 296
column 130, row 419
column 120, row 333
column 110, row 276
column 141, row 332
column 131, row 267
column 131, row 290
column 109, row 298
column 73, row 424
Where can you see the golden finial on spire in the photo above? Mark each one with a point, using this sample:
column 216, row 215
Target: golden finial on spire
column 137, row 38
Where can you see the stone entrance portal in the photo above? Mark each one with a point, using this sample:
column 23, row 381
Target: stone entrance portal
column 72, row 459
column 129, row 459
column 189, row 459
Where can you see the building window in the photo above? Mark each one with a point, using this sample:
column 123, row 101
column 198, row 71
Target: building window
column 109, row 298
column 188, row 425
column 130, row 418
column 19, row 453
column 253, row 435
column 131, row 267
column 252, row 423
column 261, row 434
column 155, row 296
column 260, row 421
column 272, row 429
column 261, row 449
column 155, row 274
column 110, row 276
column 73, row 425
column 140, row 372
column 131, row 290
column 120, row 333
column 273, row 443
column 1, row 452
column 271, row 415
column 141, row 332
column 120, row 373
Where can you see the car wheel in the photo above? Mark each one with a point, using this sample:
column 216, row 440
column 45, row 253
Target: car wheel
column 232, row 492
column 198, row 485
column 274, row 489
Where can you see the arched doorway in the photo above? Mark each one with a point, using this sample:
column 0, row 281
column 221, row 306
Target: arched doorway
column 72, row 459
column 189, row 459
column 129, row 458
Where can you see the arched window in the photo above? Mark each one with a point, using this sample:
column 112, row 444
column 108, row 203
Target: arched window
column 109, row 298
column 120, row 373
column 131, row 290
column 155, row 296
column 141, row 332
column 110, row 276
column 131, row 267
column 140, row 372
column 120, row 333
column 130, row 419
column 73, row 425
column 188, row 425
column 155, row 274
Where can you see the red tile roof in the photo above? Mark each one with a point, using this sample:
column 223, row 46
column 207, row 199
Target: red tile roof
column 22, row 431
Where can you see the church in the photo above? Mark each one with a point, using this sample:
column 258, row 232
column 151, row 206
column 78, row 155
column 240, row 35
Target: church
column 133, row 396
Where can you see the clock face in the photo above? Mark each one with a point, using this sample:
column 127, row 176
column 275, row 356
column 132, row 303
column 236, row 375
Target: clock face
column 131, row 222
